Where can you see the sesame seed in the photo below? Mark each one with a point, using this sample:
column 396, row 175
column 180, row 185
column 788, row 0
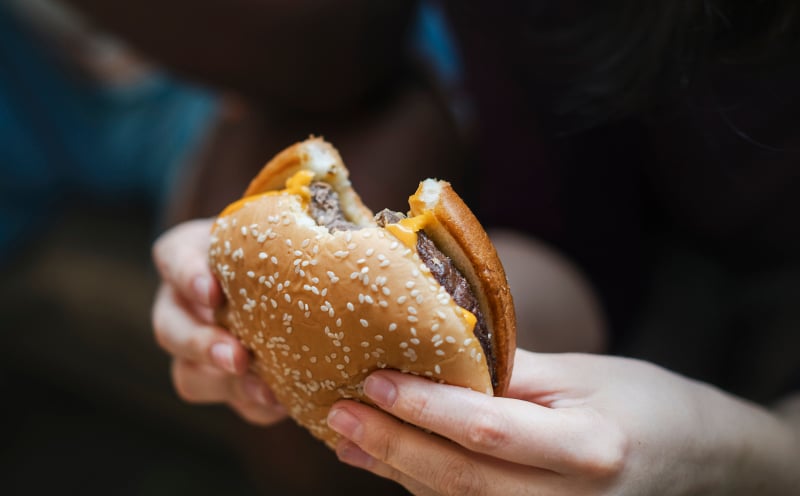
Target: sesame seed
column 436, row 337
column 392, row 327
column 403, row 345
column 287, row 297
column 364, row 323
column 274, row 260
column 412, row 318
column 410, row 284
column 351, row 307
column 369, row 252
column 412, row 310
column 262, row 255
column 467, row 341
column 440, row 352
column 450, row 339
column 401, row 299
column 414, row 341
column 251, row 274
column 437, row 369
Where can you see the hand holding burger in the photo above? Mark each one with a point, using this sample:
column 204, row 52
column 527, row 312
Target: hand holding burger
column 323, row 293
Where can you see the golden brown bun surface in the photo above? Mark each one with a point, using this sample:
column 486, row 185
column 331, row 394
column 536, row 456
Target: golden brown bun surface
column 460, row 235
column 320, row 311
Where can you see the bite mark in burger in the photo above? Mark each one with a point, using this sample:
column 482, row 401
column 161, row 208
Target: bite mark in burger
column 323, row 293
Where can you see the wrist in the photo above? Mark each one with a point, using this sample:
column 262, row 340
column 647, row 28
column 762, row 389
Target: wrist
column 749, row 449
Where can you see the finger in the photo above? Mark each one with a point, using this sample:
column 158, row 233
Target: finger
column 184, row 336
column 181, row 256
column 196, row 383
column 259, row 405
column 349, row 452
column 567, row 440
column 540, row 377
column 430, row 460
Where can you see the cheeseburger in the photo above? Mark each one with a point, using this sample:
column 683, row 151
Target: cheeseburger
column 323, row 292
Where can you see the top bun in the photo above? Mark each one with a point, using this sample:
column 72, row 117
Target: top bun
column 321, row 310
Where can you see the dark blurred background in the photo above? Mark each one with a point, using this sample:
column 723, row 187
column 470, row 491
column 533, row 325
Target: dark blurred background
column 120, row 119
column 104, row 147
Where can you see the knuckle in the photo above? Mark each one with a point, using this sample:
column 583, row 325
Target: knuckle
column 383, row 444
column 253, row 415
column 196, row 346
column 458, row 476
column 181, row 381
column 607, row 454
column 416, row 407
column 486, row 431
column 160, row 327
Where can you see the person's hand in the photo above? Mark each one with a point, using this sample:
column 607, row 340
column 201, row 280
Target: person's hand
column 573, row 424
column 208, row 364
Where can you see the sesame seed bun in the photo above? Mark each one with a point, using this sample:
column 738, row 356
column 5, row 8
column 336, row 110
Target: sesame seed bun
column 322, row 310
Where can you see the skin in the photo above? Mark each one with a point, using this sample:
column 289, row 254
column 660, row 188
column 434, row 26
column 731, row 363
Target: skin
column 572, row 423
column 208, row 363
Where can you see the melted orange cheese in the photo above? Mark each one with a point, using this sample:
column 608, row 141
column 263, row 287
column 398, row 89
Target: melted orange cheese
column 298, row 185
column 406, row 229
column 469, row 318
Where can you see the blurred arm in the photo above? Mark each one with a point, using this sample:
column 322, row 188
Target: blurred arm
column 304, row 55
column 556, row 308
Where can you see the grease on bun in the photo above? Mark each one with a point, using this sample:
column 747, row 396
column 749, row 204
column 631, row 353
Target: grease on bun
column 323, row 292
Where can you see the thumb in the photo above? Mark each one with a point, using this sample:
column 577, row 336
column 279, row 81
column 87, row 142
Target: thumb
column 543, row 377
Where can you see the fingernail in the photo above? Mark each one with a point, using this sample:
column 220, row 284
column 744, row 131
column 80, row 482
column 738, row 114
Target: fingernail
column 351, row 454
column 254, row 388
column 345, row 423
column 202, row 289
column 381, row 390
column 222, row 355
